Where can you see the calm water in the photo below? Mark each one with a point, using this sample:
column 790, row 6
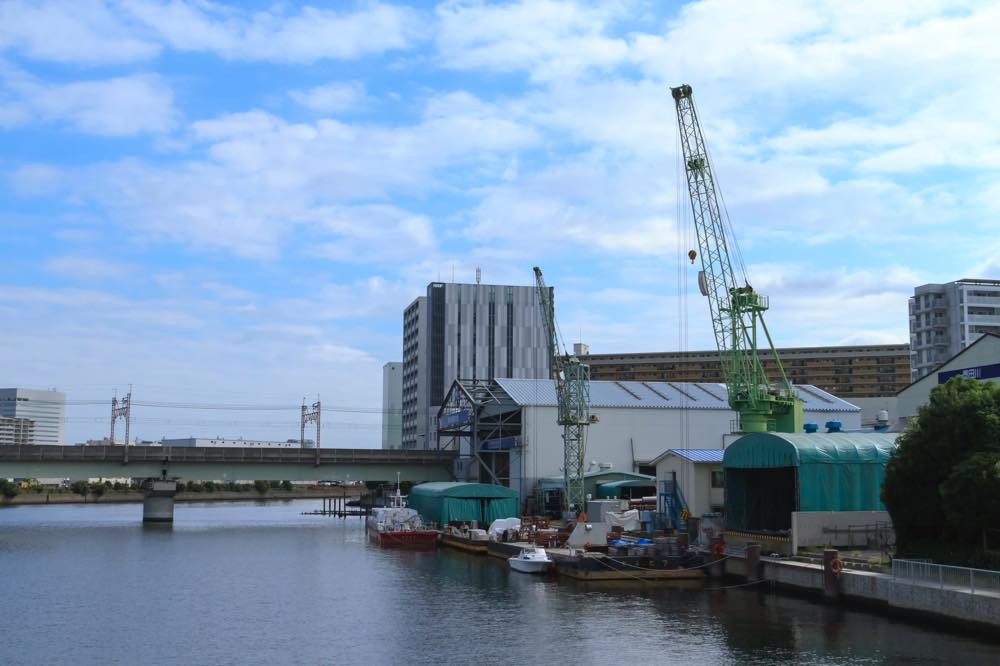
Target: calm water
column 249, row 582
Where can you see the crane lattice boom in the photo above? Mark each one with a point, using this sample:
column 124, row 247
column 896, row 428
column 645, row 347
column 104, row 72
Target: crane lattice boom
column 735, row 307
column 572, row 380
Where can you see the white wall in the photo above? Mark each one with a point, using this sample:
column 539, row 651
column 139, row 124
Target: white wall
column 807, row 527
column 984, row 352
column 695, row 481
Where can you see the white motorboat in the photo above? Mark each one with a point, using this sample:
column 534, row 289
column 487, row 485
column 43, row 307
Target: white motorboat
column 531, row 560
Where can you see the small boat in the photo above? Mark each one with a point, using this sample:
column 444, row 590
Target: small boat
column 396, row 526
column 531, row 560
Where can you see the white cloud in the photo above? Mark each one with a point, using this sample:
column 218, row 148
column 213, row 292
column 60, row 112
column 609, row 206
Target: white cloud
column 332, row 97
column 87, row 268
column 550, row 39
column 135, row 30
column 119, row 106
column 73, row 32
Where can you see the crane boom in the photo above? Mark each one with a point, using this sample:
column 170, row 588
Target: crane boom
column 735, row 308
column 572, row 379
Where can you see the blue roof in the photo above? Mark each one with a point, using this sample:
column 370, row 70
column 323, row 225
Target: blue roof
column 699, row 455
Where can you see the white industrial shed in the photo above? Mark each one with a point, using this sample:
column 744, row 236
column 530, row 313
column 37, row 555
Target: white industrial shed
column 637, row 422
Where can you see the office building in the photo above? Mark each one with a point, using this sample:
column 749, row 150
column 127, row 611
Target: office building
column 467, row 331
column 947, row 318
column 46, row 408
column 392, row 405
column 856, row 371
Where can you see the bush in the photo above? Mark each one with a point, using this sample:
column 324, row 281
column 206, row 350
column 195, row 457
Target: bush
column 261, row 486
column 274, row 484
column 210, row 486
column 181, row 486
column 80, row 487
column 287, row 485
column 98, row 489
column 194, row 487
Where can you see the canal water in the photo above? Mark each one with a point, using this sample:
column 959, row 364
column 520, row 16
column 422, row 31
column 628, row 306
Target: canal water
column 234, row 583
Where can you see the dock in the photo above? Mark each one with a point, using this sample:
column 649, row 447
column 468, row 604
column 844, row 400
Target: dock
column 340, row 507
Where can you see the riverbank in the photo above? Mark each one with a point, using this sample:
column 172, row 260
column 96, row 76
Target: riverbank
column 112, row 497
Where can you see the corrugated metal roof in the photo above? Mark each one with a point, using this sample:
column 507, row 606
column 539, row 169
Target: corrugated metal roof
column 698, row 455
column 661, row 395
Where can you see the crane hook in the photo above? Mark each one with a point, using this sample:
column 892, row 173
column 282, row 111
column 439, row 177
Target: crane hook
column 691, row 255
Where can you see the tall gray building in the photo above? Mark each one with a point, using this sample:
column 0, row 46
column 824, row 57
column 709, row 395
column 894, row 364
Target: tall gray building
column 465, row 331
column 947, row 318
column 47, row 409
column 392, row 405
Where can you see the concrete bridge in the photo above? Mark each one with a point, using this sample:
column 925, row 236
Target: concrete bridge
column 164, row 464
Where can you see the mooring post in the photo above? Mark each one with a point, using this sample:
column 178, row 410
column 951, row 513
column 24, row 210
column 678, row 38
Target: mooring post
column 753, row 562
column 158, row 500
column 831, row 574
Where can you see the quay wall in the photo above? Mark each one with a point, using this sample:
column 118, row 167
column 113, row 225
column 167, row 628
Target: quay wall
column 979, row 610
column 217, row 496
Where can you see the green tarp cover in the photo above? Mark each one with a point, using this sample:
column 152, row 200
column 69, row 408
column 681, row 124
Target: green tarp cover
column 613, row 489
column 463, row 502
column 826, row 472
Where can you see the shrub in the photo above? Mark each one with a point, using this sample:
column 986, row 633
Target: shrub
column 98, row 489
column 286, row 485
column 80, row 487
column 274, row 484
column 194, row 487
column 210, row 486
column 261, row 486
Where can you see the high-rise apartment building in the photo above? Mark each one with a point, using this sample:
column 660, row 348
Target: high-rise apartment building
column 392, row 405
column 16, row 432
column 947, row 318
column 465, row 331
column 855, row 371
column 47, row 409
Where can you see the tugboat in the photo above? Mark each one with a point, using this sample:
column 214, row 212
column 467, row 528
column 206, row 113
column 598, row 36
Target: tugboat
column 396, row 526
column 531, row 560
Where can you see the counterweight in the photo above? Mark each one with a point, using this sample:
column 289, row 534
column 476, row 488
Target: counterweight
column 572, row 380
column 735, row 308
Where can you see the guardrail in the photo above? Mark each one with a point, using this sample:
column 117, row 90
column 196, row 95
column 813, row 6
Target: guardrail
column 943, row 576
column 52, row 453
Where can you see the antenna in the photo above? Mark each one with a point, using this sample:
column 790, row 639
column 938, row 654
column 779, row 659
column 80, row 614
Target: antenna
column 479, row 274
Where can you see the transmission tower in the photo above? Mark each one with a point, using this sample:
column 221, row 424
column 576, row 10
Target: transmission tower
column 121, row 410
column 308, row 416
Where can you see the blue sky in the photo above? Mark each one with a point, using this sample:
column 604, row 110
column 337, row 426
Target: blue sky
column 234, row 202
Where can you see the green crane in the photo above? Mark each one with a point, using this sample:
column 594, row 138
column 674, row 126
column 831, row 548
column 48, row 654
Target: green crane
column 736, row 309
column 572, row 380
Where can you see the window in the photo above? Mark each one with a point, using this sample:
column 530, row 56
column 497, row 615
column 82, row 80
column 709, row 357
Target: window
column 718, row 479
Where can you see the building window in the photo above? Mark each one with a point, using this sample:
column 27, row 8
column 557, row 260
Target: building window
column 718, row 479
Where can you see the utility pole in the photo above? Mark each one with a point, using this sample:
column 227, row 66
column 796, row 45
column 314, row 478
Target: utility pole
column 308, row 416
column 122, row 410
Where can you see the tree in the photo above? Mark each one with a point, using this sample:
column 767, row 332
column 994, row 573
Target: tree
column 286, row 485
column 80, row 487
column 961, row 420
column 261, row 486
column 9, row 489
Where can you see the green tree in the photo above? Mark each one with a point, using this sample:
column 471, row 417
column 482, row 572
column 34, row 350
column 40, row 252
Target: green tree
column 210, row 486
column 287, row 485
column 80, row 487
column 9, row 489
column 961, row 419
column 971, row 496
column 261, row 486
column 98, row 489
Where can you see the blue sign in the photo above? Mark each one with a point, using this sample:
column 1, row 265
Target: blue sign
column 453, row 420
column 981, row 372
column 499, row 444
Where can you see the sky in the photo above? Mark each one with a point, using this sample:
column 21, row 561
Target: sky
column 233, row 203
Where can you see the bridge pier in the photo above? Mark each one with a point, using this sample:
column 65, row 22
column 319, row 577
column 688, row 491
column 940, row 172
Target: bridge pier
column 158, row 503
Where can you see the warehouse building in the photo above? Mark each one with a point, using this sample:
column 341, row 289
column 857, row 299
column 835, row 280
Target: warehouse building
column 507, row 433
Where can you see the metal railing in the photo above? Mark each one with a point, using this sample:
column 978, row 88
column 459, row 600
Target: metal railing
column 945, row 577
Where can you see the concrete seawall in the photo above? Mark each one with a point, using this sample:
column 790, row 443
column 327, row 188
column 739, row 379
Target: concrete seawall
column 26, row 499
column 975, row 611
